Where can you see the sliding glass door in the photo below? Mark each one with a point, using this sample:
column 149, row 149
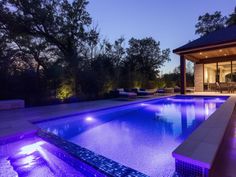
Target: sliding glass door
column 222, row 72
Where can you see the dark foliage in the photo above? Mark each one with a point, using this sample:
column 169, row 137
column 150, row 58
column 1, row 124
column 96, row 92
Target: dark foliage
column 208, row 23
column 49, row 53
column 232, row 18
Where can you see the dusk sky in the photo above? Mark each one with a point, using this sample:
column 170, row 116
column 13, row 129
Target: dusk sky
column 172, row 22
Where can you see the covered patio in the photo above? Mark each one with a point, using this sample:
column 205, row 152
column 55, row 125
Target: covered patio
column 214, row 58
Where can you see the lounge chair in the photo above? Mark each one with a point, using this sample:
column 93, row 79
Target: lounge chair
column 190, row 89
column 169, row 90
column 176, row 89
column 143, row 92
column 161, row 91
column 122, row 93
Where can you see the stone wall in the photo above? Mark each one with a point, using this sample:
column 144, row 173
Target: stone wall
column 198, row 77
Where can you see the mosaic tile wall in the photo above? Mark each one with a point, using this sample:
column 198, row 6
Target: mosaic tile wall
column 92, row 164
column 184, row 169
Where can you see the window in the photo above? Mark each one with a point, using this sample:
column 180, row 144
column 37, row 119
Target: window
column 233, row 71
column 224, row 71
column 210, row 73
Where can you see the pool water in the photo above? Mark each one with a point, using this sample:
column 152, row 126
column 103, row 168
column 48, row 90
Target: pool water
column 29, row 158
column 141, row 136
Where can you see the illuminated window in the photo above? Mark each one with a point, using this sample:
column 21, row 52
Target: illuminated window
column 210, row 73
column 224, row 71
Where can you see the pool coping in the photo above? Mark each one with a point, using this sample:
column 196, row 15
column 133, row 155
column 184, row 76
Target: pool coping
column 99, row 109
column 201, row 147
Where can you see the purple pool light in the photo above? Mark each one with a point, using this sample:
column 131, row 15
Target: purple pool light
column 89, row 119
column 30, row 157
column 140, row 136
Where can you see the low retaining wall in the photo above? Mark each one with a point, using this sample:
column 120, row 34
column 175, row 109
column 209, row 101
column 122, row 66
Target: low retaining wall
column 11, row 104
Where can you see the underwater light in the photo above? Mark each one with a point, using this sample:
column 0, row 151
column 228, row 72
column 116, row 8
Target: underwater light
column 89, row 119
column 144, row 104
column 28, row 161
column 29, row 149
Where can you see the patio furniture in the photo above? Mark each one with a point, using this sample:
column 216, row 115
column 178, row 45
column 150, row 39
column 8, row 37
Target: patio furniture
column 177, row 89
column 190, row 89
column 169, row 90
column 161, row 91
column 224, row 86
column 123, row 93
column 143, row 92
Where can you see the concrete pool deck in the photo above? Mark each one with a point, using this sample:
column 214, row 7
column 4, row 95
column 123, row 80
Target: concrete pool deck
column 19, row 122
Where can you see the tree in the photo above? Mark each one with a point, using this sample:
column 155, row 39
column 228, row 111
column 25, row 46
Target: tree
column 117, row 54
column 232, row 18
column 61, row 23
column 210, row 22
column 144, row 59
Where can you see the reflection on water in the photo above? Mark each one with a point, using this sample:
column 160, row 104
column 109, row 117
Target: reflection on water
column 141, row 136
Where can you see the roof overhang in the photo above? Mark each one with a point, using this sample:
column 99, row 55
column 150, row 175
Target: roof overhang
column 224, row 50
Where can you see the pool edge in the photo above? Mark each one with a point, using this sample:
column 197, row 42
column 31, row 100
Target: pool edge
column 196, row 154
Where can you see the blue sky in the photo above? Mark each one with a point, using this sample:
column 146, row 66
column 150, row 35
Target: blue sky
column 172, row 22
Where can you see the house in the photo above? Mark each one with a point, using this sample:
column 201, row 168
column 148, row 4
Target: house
column 214, row 57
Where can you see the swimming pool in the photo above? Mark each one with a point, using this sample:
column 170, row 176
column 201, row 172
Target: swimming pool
column 141, row 136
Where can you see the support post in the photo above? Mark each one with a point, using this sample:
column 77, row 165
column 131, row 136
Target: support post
column 183, row 74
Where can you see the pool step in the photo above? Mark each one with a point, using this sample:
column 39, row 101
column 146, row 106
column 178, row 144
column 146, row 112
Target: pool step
column 6, row 169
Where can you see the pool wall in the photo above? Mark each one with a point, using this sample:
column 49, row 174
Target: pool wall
column 196, row 155
column 89, row 162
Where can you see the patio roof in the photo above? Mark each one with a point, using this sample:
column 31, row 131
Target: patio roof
column 216, row 44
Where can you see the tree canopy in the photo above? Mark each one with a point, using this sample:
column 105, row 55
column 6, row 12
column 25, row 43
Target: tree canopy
column 208, row 23
column 232, row 18
column 53, row 45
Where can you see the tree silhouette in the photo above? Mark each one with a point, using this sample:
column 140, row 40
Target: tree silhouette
column 208, row 23
column 232, row 18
